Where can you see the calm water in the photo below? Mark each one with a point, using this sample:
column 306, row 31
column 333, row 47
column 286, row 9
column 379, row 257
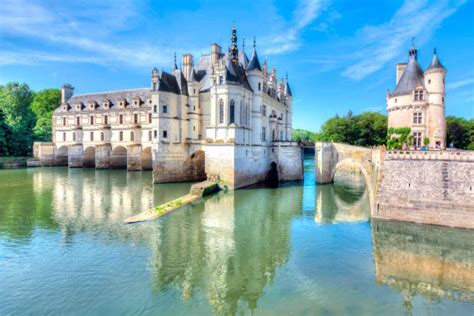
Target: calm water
column 296, row 249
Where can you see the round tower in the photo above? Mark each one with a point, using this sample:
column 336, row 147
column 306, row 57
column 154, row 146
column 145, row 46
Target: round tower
column 255, row 78
column 435, row 84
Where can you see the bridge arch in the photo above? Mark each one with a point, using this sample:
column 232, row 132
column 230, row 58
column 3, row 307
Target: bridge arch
column 88, row 157
column 61, row 156
column 118, row 158
column 196, row 165
column 147, row 159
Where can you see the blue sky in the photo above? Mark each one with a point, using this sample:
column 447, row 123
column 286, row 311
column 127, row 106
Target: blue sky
column 338, row 55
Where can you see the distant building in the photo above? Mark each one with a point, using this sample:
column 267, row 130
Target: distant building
column 225, row 117
column 418, row 101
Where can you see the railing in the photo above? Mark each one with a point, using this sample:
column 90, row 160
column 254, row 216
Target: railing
column 455, row 155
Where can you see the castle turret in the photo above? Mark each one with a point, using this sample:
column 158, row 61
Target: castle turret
column 289, row 111
column 67, row 91
column 154, row 79
column 187, row 62
column 435, row 84
column 255, row 78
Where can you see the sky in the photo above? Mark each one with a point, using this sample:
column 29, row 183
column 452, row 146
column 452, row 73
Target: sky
column 339, row 55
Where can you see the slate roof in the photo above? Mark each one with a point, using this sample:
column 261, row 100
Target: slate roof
column 410, row 79
column 287, row 89
column 168, row 83
column 235, row 73
column 243, row 59
column 435, row 63
column 254, row 62
column 114, row 96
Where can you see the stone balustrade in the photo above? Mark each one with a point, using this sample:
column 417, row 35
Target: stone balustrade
column 448, row 155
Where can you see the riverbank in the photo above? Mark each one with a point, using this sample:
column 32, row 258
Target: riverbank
column 9, row 162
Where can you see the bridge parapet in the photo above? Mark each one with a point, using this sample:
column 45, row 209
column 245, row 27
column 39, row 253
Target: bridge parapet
column 448, row 155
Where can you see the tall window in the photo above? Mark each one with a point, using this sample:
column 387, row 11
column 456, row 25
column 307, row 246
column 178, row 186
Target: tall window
column 221, row 79
column 155, row 108
column 135, row 118
column 132, row 136
column 92, row 120
column 102, row 136
column 417, row 139
column 155, row 133
column 165, row 134
column 417, row 118
column 149, row 117
column 418, row 95
column 263, row 134
column 64, row 137
column 78, row 121
column 64, row 121
column 73, row 137
column 232, row 112
column 106, row 120
column 264, row 110
column 120, row 119
column 149, row 136
column 92, row 136
column 221, row 111
column 259, row 86
column 121, row 136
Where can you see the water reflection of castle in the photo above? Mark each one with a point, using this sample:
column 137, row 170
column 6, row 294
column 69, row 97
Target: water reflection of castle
column 435, row 262
column 234, row 247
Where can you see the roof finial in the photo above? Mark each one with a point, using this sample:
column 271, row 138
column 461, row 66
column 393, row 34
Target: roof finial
column 254, row 42
column 234, row 51
column 286, row 76
column 175, row 65
column 434, row 51
column 243, row 43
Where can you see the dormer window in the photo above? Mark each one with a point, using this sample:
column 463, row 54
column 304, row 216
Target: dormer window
column 92, row 105
column 65, row 107
column 418, row 95
column 106, row 104
column 78, row 106
column 122, row 102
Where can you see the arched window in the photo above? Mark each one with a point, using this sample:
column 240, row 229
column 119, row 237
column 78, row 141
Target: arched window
column 132, row 136
column 221, row 111
column 232, row 112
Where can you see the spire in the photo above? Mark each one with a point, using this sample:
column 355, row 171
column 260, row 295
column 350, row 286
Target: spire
column 254, row 62
column 435, row 63
column 175, row 66
column 234, row 50
column 413, row 52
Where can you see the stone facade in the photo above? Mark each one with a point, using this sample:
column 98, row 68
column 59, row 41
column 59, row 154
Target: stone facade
column 224, row 117
column 418, row 101
column 430, row 188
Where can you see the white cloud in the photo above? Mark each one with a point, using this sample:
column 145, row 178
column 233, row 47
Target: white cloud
column 289, row 40
column 460, row 83
column 382, row 43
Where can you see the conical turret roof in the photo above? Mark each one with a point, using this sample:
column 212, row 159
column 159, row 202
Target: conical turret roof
column 435, row 63
column 254, row 62
column 411, row 78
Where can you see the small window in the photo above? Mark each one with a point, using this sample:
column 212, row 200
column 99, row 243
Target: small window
column 132, row 136
column 64, row 137
column 121, row 136
column 92, row 136
column 73, row 137
column 259, row 86
column 417, row 139
column 418, row 95
column 149, row 136
column 64, row 121
column 396, row 100
column 232, row 112
column 154, row 86
column 264, row 110
column 194, row 91
column 135, row 118
column 263, row 134
column 102, row 136
column 221, row 80
column 194, row 128
column 165, row 109
column 165, row 134
column 155, row 133
column 92, row 120
column 417, row 118
column 429, row 81
column 221, row 111
column 442, row 99
column 120, row 119
column 78, row 121
column 155, row 108
column 149, row 117
column 106, row 120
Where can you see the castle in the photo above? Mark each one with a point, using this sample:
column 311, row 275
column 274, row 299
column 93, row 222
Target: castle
column 225, row 117
column 418, row 101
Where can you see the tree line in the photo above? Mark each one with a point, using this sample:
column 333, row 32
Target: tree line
column 25, row 117
column 370, row 129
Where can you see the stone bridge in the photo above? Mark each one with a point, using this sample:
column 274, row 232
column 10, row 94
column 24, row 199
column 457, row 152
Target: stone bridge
column 428, row 187
column 334, row 159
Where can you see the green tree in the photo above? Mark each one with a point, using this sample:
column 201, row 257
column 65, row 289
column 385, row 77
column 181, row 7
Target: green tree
column 43, row 106
column 4, row 136
column 15, row 104
column 460, row 132
column 371, row 129
column 304, row 136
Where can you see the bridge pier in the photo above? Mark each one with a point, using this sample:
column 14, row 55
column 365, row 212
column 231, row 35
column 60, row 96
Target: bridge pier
column 102, row 156
column 75, row 156
column 326, row 159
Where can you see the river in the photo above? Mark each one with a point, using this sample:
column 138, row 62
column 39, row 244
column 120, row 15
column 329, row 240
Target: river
column 300, row 248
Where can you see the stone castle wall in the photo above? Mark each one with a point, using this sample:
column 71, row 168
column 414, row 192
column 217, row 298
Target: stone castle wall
column 427, row 187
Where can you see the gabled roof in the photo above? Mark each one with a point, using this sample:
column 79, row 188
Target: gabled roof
column 254, row 62
column 412, row 77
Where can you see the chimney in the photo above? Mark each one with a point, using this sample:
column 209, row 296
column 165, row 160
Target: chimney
column 187, row 61
column 400, row 70
column 215, row 52
column 67, row 91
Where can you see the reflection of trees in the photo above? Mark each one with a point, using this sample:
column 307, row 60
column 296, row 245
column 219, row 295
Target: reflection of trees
column 426, row 260
column 341, row 202
column 227, row 248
